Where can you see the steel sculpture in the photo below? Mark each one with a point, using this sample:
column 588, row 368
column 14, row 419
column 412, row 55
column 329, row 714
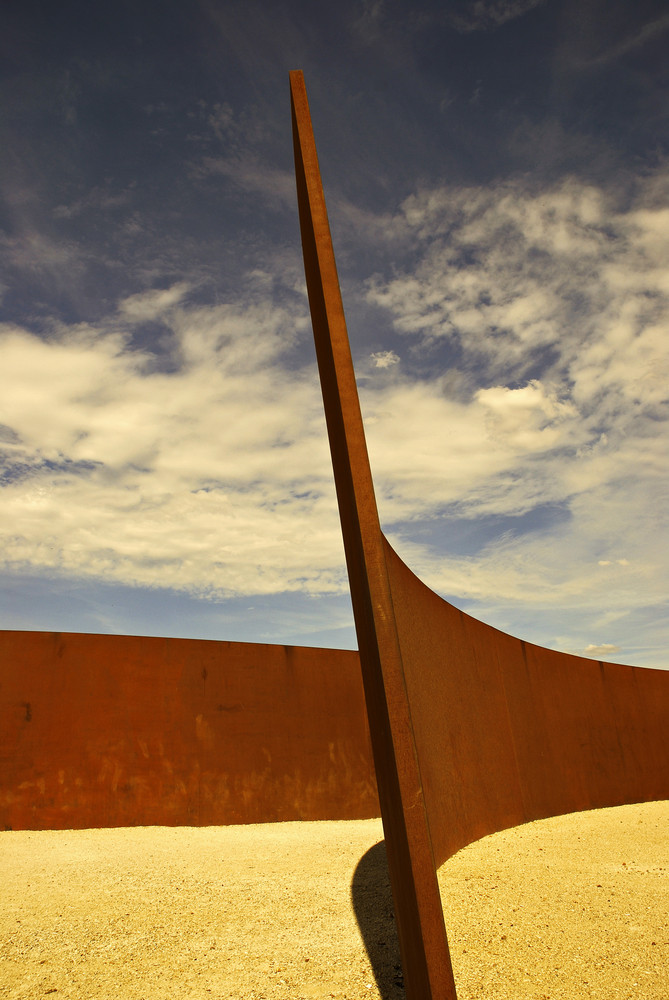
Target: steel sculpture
column 472, row 730
column 127, row 730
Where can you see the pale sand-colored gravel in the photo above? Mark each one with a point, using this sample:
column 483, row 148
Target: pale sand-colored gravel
column 570, row 907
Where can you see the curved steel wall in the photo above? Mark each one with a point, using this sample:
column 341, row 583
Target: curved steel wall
column 103, row 730
column 507, row 732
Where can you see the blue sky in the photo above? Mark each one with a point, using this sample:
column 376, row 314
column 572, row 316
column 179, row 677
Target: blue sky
column 496, row 174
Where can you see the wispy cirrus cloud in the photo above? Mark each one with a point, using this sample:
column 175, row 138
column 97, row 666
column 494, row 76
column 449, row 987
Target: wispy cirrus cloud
column 96, row 200
column 534, row 282
column 635, row 38
column 251, row 175
column 34, row 253
column 553, row 306
column 484, row 15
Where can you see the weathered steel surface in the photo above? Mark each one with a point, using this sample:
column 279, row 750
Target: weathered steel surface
column 508, row 732
column 472, row 730
column 101, row 730
column 418, row 910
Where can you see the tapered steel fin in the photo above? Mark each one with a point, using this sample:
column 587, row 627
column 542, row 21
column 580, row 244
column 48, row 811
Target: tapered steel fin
column 473, row 731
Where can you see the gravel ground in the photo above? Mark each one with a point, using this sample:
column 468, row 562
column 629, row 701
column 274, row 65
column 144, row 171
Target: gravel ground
column 570, row 907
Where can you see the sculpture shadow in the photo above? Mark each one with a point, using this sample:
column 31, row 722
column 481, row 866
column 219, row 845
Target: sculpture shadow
column 372, row 900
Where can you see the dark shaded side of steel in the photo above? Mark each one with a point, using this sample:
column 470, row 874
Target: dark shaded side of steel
column 472, row 730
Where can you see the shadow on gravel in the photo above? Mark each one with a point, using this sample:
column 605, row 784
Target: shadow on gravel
column 373, row 905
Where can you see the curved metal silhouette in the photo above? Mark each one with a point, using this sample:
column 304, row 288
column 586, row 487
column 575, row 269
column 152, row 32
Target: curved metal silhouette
column 472, row 730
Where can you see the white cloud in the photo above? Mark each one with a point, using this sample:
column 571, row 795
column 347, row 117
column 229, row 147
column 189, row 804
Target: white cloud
column 649, row 31
column 59, row 261
column 97, row 200
column 384, row 359
column 250, row 174
column 153, row 304
column 604, row 649
column 556, row 305
column 221, row 119
column 567, row 577
column 507, row 273
column 500, row 452
column 213, row 479
column 369, row 25
column 482, row 15
column 559, row 283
